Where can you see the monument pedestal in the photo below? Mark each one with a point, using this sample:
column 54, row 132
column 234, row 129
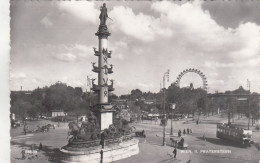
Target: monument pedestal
column 104, row 114
column 111, row 152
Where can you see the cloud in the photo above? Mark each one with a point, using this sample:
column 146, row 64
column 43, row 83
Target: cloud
column 140, row 26
column 248, row 37
column 20, row 75
column 73, row 52
column 254, row 62
column 145, row 86
column 119, row 56
column 35, row 81
column 67, row 57
column 213, row 74
column 214, row 64
column 46, row 22
column 121, row 44
column 193, row 26
column 145, row 41
column 84, row 10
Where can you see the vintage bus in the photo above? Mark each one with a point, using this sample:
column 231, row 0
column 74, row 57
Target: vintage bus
column 229, row 132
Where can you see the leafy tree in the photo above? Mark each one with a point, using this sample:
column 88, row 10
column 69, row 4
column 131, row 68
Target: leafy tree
column 136, row 94
column 254, row 108
column 112, row 97
column 231, row 107
column 78, row 92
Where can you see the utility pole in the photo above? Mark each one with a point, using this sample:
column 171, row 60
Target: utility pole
column 248, row 85
column 166, row 74
column 89, row 84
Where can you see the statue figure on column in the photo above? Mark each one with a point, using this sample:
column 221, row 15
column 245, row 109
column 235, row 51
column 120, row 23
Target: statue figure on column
column 103, row 15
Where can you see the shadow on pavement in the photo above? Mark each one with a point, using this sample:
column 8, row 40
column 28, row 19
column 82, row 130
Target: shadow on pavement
column 222, row 142
column 157, row 144
column 52, row 154
column 257, row 146
column 170, row 160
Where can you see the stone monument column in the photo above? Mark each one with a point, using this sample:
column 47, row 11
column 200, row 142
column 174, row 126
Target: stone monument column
column 94, row 145
column 102, row 75
column 104, row 111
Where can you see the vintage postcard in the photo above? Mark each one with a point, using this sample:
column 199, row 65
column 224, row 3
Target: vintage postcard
column 134, row 81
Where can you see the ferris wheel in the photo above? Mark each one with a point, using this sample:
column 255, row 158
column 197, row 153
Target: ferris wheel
column 196, row 71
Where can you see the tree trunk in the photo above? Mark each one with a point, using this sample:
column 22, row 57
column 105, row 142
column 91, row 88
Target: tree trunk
column 229, row 118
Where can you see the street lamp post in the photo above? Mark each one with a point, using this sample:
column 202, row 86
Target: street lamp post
column 172, row 107
column 171, row 122
column 166, row 74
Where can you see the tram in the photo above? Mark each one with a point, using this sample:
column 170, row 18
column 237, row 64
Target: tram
column 228, row 132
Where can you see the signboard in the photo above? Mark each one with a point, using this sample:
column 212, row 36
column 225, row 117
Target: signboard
column 242, row 99
column 172, row 106
column 30, row 151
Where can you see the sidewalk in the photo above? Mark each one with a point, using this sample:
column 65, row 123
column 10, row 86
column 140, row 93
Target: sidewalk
column 155, row 153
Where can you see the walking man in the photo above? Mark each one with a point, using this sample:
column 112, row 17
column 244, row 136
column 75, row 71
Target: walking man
column 175, row 152
column 40, row 147
column 204, row 137
column 179, row 133
column 23, row 154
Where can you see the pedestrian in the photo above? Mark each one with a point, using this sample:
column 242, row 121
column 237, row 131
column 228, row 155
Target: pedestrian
column 40, row 146
column 179, row 133
column 175, row 152
column 191, row 131
column 204, row 136
column 182, row 142
column 184, row 132
column 23, row 154
column 188, row 130
column 197, row 122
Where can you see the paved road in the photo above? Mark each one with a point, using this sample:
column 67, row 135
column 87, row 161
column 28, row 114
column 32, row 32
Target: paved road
column 151, row 149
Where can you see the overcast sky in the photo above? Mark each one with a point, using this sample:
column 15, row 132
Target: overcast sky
column 52, row 41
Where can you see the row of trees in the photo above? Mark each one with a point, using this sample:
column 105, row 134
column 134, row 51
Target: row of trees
column 187, row 100
column 248, row 106
column 44, row 100
column 191, row 101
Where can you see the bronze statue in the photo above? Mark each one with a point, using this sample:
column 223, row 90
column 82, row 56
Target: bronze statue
column 93, row 82
column 103, row 15
column 92, row 118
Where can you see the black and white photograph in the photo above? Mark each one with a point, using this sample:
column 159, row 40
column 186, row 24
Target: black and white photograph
column 134, row 81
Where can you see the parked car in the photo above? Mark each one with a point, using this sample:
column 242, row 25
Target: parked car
column 15, row 123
